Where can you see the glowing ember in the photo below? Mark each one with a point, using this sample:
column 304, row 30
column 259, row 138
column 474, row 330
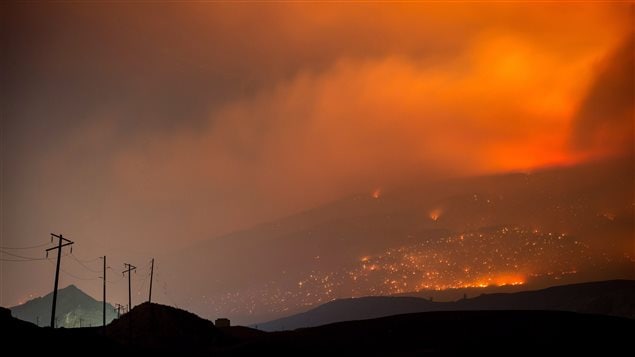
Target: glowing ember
column 435, row 214
column 376, row 193
column 608, row 215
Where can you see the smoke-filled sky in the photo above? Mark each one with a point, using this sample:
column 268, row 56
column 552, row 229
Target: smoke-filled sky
column 139, row 129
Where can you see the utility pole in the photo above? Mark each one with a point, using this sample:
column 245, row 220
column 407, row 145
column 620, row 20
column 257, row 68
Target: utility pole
column 119, row 306
column 104, row 277
column 129, row 269
column 57, row 269
column 151, row 274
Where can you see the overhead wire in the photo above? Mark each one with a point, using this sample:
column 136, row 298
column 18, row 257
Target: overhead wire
column 30, row 247
column 83, row 265
column 143, row 283
column 77, row 277
column 164, row 285
column 21, row 256
column 145, row 276
column 87, row 260
column 19, row 260
column 71, row 274
column 115, row 281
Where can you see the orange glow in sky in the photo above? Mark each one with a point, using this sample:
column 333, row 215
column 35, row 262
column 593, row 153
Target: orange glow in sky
column 506, row 95
column 201, row 119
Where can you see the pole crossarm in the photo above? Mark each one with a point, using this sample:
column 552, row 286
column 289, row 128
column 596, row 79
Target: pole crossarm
column 130, row 268
column 60, row 237
column 63, row 245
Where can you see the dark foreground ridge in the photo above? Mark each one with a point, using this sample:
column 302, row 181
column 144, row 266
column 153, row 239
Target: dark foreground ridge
column 613, row 297
column 163, row 328
column 152, row 328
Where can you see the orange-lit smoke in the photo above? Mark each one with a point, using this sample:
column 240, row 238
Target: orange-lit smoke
column 382, row 119
column 341, row 102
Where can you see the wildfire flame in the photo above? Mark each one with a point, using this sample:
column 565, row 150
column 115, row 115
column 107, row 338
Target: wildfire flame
column 435, row 214
column 376, row 193
column 501, row 280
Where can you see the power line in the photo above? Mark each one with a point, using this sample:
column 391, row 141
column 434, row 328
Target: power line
column 119, row 306
column 77, row 277
column 83, row 265
column 165, row 289
column 115, row 281
column 143, row 283
column 31, row 247
column 87, row 260
column 151, row 276
column 19, row 260
column 21, row 256
column 72, row 275
column 104, row 305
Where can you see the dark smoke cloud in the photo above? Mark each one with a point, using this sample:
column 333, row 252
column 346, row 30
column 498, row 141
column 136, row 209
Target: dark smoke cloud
column 606, row 116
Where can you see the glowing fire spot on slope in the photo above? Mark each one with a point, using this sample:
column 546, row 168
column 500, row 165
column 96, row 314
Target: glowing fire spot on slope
column 435, row 214
column 608, row 215
column 376, row 193
column 23, row 300
column 501, row 280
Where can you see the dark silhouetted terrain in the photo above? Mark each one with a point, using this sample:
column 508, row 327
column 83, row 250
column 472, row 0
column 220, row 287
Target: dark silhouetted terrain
column 615, row 298
column 161, row 329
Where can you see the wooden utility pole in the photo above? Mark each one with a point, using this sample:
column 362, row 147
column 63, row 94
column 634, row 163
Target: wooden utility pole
column 104, row 277
column 129, row 269
column 151, row 274
column 119, row 306
column 57, row 269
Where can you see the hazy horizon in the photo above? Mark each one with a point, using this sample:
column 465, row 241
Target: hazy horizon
column 269, row 155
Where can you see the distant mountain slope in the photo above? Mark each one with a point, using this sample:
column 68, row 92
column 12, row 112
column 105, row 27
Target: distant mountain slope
column 74, row 309
column 616, row 297
column 580, row 219
column 348, row 310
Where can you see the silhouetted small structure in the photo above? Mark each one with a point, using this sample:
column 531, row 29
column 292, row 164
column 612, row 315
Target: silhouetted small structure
column 222, row 322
